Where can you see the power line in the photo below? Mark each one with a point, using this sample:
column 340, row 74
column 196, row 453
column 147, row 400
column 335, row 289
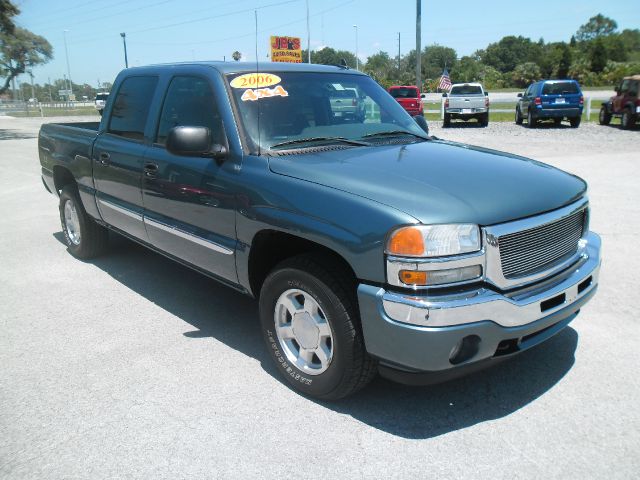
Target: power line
column 187, row 22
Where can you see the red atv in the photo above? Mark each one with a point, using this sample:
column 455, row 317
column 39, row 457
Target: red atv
column 625, row 104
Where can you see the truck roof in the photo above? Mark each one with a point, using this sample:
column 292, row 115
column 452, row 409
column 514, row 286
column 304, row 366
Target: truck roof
column 249, row 67
column 632, row 77
column 475, row 84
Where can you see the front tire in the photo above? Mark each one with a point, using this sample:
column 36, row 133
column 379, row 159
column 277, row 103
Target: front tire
column 84, row 237
column 311, row 326
column 519, row 117
column 604, row 117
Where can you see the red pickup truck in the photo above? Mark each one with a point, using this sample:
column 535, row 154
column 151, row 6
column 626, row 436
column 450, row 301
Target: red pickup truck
column 624, row 104
column 409, row 97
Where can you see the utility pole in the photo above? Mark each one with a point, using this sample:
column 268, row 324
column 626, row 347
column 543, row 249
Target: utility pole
column 398, row 57
column 357, row 62
column 124, row 42
column 308, row 35
column 49, row 83
column 66, row 51
column 33, row 92
column 418, row 47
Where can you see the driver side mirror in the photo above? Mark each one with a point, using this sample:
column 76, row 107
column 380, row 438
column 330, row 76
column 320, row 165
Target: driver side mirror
column 422, row 123
column 193, row 142
column 486, row 94
column 444, row 95
column 617, row 89
column 520, row 95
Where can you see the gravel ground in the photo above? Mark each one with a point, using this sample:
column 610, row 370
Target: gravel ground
column 131, row 366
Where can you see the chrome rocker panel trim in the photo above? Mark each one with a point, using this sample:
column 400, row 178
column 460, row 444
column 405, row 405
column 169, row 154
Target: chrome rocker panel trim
column 508, row 310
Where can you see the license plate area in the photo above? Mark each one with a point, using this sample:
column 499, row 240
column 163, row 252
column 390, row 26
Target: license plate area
column 560, row 100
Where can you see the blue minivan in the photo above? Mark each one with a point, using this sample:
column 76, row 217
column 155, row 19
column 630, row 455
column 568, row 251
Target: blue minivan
column 550, row 99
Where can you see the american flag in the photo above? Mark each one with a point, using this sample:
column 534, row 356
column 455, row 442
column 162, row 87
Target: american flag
column 445, row 81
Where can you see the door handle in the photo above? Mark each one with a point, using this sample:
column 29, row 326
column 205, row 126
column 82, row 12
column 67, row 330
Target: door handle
column 150, row 169
column 105, row 158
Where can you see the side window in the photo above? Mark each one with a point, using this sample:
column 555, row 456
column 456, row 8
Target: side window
column 624, row 86
column 189, row 102
column 131, row 107
column 529, row 91
column 633, row 88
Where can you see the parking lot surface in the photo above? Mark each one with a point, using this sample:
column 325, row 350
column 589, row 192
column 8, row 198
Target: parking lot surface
column 132, row 366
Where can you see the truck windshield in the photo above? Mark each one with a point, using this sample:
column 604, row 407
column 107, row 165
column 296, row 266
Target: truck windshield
column 466, row 90
column 287, row 108
column 559, row 88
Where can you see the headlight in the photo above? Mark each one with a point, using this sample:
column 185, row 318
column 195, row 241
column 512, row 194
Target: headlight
column 434, row 240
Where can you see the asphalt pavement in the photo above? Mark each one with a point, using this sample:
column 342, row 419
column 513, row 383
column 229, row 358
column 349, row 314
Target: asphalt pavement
column 132, row 366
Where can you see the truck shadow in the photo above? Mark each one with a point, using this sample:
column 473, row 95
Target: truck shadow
column 410, row 412
column 6, row 134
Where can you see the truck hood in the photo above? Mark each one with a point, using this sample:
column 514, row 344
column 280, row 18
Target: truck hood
column 438, row 181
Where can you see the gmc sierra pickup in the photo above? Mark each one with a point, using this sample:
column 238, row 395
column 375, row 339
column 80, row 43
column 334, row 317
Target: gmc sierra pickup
column 371, row 246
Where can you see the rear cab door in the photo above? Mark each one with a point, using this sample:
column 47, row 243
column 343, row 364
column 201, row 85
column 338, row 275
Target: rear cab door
column 119, row 151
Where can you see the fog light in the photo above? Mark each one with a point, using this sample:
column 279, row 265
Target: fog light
column 465, row 349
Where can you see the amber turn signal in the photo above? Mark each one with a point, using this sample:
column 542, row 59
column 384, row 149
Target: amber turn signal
column 406, row 241
column 412, row 277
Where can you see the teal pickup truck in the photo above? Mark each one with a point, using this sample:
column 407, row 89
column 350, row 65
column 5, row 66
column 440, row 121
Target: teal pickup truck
column 370, row 245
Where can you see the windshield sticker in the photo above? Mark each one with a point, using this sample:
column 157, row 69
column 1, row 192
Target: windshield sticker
column 252, row 95
column 255, row 80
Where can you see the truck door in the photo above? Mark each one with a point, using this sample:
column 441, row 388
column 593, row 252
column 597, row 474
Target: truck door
column 118, row 155
column 189, row 201
column 620, row 99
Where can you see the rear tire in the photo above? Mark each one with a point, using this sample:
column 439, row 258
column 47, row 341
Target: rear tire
column 604, row 117
column 447, row 120
column 557, row 121
column 575, row 121
column 484, row 119
column 310, row 323
column 531, row 120
column 519, row 117
column 84, row 237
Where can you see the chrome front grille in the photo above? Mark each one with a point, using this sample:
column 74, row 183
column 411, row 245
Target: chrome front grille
column 536, row 249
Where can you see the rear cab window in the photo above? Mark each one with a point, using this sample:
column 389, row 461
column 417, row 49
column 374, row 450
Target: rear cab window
column 404, row 92
column 466, row 90
column 131, row 107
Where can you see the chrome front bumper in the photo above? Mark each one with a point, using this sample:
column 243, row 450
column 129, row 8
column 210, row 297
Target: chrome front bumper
column 521, row 307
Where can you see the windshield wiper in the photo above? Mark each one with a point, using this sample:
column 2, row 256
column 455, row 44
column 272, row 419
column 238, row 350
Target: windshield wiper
column 393, row 133
column 320, row 139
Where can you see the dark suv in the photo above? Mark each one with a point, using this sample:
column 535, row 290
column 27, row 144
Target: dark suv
column 551, row 99
column 625, row 104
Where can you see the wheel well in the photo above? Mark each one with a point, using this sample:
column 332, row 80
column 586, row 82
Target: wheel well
column 270, row 247
column 62, row 177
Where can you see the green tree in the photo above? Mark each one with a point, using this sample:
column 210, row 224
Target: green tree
column 382, row 68
column 598, row 26
column 7, row 11
column 510, row 51
column 526, row 73
column 564, row 64
column 329, row 56
column 598, row 55
column 20, row 51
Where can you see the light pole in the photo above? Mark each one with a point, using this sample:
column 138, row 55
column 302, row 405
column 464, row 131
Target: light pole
column 357, row 62
column 124, row 42
column 66, row 51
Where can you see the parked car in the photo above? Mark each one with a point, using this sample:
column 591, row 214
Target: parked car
column 370, row 246
column 409, row 97
column 625, row 104
column 550, row 100
column 466, row 101
column 101, row 100
column 347, row 104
